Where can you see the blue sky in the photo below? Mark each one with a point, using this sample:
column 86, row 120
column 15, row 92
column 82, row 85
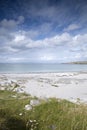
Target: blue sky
column 43, row 30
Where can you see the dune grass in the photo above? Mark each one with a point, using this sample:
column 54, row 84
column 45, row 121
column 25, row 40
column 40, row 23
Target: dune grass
column 52, row 114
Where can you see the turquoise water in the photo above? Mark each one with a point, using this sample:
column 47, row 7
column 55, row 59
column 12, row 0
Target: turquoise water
column 27, row 67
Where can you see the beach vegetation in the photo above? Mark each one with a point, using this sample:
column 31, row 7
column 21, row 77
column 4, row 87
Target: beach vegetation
column 50, row 114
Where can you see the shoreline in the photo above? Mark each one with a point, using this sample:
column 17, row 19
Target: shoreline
column 45, row 72
column 65, row 85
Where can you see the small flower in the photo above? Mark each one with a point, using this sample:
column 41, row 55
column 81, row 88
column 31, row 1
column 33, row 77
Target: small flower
column 31, row 121
column 20, row 114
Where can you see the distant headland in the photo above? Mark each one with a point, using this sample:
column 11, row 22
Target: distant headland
column 78, row 62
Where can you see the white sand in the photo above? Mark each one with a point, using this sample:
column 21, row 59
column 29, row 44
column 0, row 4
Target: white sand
column 44, row 85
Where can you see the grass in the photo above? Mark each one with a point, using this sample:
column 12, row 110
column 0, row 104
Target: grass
column 53, row 114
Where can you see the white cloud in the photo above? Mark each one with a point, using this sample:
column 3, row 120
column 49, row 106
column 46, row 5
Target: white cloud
column 72, row 27
column 8, row 23
column 18, row 40
column 47, row 57
column 11, row 24
column 20, row 20
column 15, row 59
column 22, row 41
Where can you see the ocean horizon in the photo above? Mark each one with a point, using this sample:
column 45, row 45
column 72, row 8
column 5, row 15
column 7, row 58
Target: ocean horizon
column 41, row 67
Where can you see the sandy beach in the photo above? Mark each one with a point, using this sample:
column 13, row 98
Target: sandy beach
column 71, row 86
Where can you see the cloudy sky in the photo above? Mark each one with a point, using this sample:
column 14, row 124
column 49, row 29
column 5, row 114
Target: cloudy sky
column 43, row 30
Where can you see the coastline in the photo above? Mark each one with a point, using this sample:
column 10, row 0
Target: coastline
column 65, row 85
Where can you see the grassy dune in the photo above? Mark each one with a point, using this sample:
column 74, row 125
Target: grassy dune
column 51, row 114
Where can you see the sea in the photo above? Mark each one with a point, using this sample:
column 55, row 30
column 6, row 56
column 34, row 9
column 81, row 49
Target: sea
column 41, row 68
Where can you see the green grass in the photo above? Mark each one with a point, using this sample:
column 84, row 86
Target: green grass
column 61, row 115
column 13, row 101
column 53, row 114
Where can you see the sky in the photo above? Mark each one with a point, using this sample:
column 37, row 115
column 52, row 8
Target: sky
column 43, row 31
